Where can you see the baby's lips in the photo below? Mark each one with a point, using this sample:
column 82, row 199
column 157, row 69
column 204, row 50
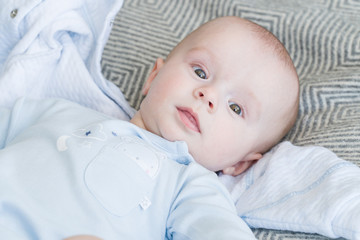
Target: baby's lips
column 189, row 118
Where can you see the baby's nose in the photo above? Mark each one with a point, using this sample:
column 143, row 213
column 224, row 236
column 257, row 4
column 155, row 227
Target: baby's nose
column 207, row 97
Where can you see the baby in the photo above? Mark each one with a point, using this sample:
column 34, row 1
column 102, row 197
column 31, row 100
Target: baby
column 229, row 90
column 224, row 96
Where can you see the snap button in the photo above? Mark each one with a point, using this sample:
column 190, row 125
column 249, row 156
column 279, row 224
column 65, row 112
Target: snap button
column 145, row 203
column 13, row 13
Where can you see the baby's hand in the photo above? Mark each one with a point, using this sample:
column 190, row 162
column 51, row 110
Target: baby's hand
column 83, row 237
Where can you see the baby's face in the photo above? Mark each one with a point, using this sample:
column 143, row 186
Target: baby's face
column 218, row 91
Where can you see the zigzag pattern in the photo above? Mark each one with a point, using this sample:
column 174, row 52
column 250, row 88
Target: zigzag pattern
column 323, row 38
column 265, row 234
column 330, row 117
column 349, row 6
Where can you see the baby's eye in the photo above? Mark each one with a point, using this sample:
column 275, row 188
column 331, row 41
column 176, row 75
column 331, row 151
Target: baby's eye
column 236, row 108
column 201, row 73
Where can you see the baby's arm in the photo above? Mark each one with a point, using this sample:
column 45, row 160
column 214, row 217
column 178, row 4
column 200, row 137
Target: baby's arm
column 203, row 209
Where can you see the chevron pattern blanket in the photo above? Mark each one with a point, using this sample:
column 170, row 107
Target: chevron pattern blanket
column 323, row 38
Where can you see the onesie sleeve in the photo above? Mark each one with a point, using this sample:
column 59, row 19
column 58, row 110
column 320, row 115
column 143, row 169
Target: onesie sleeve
column 203, row 209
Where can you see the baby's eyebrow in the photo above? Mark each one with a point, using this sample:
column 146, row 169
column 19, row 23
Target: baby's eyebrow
column 197, row 49
column 201, row 51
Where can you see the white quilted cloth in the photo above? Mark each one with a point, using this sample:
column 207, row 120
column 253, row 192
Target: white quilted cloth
column 53, row 48
column 306, row 189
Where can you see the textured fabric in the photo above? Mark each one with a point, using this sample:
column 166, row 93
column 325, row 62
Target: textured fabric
column 87, row 173
column 61, row 41
column 306, row 189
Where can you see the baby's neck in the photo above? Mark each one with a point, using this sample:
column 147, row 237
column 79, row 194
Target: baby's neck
column 137, row 120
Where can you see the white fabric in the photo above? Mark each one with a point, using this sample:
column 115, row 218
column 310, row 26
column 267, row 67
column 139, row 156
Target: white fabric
column 307, row 189
column 53, row 48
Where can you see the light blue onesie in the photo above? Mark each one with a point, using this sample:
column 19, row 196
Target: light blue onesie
column 67, row 170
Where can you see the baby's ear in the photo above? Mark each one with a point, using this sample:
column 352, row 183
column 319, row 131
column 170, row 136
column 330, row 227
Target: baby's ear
column 157, row 66
column 242, row 165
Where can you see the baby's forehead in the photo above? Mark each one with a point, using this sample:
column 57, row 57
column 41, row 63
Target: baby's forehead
column 238, row 32
column 244, row 50
column 229, row 45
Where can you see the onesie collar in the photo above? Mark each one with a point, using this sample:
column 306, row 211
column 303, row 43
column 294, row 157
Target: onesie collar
column 176, row 150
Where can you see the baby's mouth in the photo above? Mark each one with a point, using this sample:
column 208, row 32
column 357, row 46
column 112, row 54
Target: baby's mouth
column 189, row 118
